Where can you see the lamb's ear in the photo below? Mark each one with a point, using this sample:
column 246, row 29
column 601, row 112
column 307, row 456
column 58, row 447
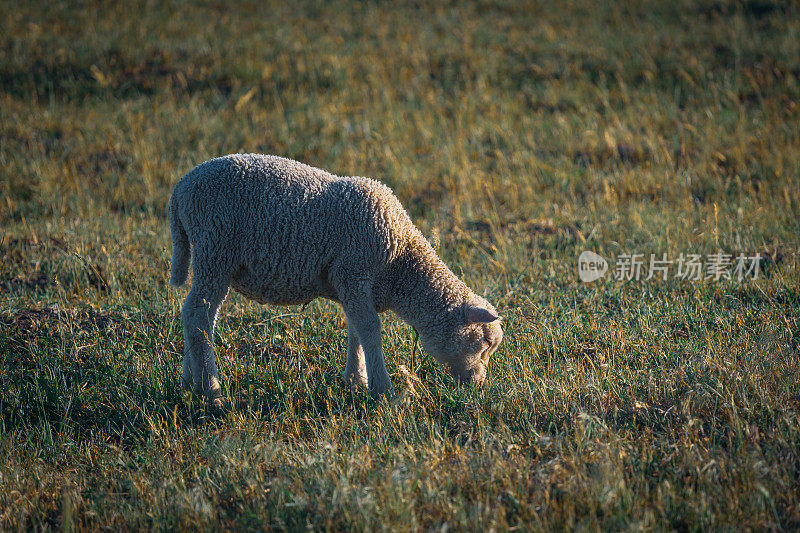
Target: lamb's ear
column 476, row 315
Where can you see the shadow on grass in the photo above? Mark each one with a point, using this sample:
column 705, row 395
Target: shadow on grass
column 75, row 373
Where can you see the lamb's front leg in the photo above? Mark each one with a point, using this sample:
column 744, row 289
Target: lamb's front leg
column 364, row 319
column 355, row 369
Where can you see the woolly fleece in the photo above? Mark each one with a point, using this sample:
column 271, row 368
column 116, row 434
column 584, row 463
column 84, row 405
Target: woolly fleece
column 282, row 232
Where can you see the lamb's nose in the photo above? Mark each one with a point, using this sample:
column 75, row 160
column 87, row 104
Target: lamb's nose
column 479, row 377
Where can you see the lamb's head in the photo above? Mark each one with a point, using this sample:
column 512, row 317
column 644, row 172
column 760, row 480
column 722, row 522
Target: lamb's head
column 465, row 339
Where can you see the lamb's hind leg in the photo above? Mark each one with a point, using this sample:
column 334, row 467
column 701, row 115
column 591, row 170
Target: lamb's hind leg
column 199, row 315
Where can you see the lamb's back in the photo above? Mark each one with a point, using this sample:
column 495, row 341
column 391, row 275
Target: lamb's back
column 288, row 223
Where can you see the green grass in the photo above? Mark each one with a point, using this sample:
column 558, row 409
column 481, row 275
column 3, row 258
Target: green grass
column 517, row 135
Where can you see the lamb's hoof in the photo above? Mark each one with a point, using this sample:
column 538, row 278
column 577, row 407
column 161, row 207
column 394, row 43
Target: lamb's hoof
column 214, row 397
column 211, row 398
column 382, row 392
column 356, row 379
column 216, row 405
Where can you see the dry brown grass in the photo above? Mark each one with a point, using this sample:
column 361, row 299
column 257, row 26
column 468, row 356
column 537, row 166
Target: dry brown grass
column 517, row 135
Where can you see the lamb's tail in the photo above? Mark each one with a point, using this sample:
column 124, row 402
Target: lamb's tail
column 181, row 253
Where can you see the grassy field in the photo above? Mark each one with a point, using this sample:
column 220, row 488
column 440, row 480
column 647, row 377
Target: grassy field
column 517, row 135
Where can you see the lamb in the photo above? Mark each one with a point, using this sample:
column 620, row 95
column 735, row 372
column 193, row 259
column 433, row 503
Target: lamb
column 282, row 232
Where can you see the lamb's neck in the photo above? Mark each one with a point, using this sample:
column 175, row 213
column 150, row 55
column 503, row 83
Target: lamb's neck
column 425, row 288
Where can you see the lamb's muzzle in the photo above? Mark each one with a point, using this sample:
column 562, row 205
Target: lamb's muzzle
column 282, row 232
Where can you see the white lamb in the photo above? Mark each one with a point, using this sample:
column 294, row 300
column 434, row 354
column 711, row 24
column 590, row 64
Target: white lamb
column 282, row 232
